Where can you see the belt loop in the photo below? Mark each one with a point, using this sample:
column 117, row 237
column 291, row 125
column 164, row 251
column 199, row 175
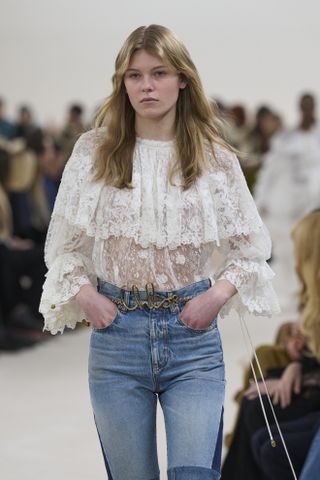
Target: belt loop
column 127, row 297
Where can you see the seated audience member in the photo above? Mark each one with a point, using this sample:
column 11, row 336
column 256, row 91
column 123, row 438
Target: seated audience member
column 52, row 163
column 296, row 392
column 25, row 124
column 7, row 129
column 22, row 266
column 272, row 358
column 30, row 211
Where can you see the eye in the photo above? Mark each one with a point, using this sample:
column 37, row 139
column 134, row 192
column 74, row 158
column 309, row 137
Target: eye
column 160, row 73
column 133, row 75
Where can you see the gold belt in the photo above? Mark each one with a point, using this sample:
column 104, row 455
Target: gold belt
column 153, row 301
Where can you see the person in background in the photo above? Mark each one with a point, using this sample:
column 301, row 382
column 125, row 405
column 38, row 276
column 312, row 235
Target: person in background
column 301, row 378
column 287, row 188
column 239, row 128
column 52, row 163
column 288, row 347
column 258, row 141
column 295, row 393
column 25, row 125
column 7, row 129
column 72, row 130
column 21, row 275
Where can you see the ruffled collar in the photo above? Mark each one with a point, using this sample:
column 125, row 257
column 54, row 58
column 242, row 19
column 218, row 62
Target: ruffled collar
column 155, row 212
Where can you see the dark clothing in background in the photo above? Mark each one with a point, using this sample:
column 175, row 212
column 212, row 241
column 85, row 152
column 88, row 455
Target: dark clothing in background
column 240, row 462
column 298, row 436
column 15, row 265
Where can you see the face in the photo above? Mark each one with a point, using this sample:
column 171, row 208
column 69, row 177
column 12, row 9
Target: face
column 295, row 343
column 307, row 106
column 152, row 87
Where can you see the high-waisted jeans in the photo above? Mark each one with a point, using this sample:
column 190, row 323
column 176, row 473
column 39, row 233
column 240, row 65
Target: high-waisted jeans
column 145, row 354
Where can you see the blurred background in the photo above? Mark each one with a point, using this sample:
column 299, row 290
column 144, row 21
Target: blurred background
column 259, row 66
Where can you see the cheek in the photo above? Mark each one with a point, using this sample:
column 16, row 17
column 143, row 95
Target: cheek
column 131, row 94
column 171, row 92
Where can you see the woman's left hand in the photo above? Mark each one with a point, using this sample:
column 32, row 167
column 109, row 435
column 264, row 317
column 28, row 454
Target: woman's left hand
column 200, row 310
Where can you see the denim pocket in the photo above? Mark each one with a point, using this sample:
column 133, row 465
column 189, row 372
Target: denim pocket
column 106, row 327
column 212, row 325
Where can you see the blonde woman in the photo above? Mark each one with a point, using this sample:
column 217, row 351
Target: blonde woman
column 295, row 390
column 146, row 200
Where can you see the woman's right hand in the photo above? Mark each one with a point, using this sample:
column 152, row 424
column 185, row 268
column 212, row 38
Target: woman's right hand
column 99, row 310
column 281, row 389
column 290, row 383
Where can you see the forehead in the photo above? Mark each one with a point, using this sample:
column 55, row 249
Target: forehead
column 142, row 59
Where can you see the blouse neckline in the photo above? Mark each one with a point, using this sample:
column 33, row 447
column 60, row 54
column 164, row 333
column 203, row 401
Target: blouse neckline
column 155, row 143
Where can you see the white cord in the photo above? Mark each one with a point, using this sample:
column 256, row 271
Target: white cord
column 245, row 332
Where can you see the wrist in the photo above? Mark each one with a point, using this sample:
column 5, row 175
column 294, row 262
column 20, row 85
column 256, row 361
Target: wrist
column 223, row 289
column 84, row 291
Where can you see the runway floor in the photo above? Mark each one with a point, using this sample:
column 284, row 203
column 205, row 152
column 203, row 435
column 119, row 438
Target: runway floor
column 47, row 427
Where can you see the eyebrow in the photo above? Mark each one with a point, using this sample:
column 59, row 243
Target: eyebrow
column 154, row 68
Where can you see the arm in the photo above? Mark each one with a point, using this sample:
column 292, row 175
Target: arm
column 69, row 242
column 243, row 278
column 244, row 266
column 68, row 253
column 244, row 244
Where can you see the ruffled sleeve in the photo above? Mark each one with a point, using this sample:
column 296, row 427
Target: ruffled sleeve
column 68, row 248
column 244, row 244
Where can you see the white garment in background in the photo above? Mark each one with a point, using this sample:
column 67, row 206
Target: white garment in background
column 154, row 232
column 288, row 187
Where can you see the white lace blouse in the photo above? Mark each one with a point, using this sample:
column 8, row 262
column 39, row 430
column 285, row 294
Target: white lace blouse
column 154, row 232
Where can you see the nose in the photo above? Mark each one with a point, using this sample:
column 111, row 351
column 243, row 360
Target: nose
column 147, row 84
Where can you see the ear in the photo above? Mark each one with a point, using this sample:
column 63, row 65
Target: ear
column 182, row 82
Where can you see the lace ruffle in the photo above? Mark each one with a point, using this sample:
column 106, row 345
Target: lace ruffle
column 63, row 281
column 154, row 212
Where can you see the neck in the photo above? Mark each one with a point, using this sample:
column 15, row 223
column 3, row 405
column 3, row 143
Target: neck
column 155, row 128
column 307, row 123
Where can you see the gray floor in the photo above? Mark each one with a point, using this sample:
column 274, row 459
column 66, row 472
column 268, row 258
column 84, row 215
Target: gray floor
column 47, row 428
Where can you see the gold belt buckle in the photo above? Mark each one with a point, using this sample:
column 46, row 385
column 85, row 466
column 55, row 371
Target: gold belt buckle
column 153, row 301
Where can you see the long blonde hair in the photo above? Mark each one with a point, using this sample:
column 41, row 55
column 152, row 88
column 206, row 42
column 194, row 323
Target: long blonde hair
column 195, row 125
column 306, row 237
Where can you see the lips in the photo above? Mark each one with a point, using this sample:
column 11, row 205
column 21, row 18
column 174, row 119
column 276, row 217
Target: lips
column 148, row 99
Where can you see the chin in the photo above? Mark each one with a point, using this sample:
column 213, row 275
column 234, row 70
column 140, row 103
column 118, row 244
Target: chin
column 151, row 115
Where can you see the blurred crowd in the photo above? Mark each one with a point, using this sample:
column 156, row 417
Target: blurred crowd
column 282, row 169
column 32, row 159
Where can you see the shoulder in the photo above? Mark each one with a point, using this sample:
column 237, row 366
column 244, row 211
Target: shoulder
column 84, row 149
column 88, row 141
column 221, row 159
column 217, row 153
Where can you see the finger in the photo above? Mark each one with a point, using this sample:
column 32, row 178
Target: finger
column 286, row 397
column 252, row 396
column 297, row 385
column 249, row 390
column 275, row 397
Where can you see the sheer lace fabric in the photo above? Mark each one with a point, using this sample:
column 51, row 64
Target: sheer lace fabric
column 154, row 232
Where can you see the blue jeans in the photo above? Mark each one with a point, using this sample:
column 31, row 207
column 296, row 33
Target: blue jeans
column 311, row 467
column 145, row 354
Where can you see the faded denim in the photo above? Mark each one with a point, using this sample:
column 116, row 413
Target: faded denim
column 149, row 354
